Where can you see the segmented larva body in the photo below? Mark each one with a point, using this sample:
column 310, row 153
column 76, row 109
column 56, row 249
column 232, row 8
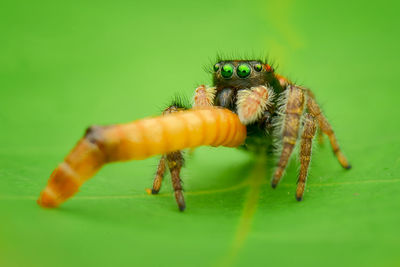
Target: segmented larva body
column 139, row 140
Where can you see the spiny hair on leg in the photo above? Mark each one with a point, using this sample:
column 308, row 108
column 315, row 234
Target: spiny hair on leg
column 279, row 120
column 180, row 101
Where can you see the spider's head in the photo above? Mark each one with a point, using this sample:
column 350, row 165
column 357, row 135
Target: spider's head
column 240, row 74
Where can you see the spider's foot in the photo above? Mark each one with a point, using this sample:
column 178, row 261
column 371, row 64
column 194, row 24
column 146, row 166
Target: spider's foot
column 301, row 186
column 182, row 207
column 274, row 182
column 152, row 191
column 180, row 200
column 348, row 167
column 273, row 185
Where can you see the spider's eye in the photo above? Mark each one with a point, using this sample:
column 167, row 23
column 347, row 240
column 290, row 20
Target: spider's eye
column 243, row 70
column 216, row 67
column 227, row 71
column 258, row 67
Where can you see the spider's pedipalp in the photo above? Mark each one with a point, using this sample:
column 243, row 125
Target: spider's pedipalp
column 320, row 136
column 305, row 153
column 251, row 103
column 204, row 96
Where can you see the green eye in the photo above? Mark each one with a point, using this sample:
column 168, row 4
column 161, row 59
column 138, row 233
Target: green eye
column 216, row 67
column 243, row 70
column 227, row 71
column 258, row 67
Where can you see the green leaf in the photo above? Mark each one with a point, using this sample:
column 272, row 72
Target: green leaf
column 65, row 66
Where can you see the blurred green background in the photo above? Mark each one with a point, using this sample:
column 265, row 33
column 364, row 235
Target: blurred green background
column 65, row 65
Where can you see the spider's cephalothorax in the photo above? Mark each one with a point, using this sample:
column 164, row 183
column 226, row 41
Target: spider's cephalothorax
column 251, row 89
column 241, row 74
column 231, row 76
column 256, row 109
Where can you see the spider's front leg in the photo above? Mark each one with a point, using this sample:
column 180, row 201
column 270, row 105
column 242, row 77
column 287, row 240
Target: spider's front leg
column 293, row 112
column 175, row 163
column 164, row 158
column 174, row 160
column 204, row 97
column 159, row 177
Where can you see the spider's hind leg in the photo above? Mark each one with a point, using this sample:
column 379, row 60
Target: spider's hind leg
column 158, row 178
column 326, row 128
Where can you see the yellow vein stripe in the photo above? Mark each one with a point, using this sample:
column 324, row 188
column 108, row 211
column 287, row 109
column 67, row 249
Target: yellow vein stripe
column 213, row 191
column 255, row 181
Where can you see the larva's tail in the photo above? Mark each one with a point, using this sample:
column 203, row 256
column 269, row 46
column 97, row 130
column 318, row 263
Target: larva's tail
column 139, row 140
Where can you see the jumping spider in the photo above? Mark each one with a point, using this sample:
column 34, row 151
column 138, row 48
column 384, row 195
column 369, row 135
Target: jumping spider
column 270, row 111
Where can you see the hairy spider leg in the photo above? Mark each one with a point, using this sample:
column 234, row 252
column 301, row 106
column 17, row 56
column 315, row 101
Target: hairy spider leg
column 204, row 97
column 320, row 136
column 293, row 112
column 305, row 153
column 159, row 176
column 164, row 158
column 175, row 163
column 326, row 128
